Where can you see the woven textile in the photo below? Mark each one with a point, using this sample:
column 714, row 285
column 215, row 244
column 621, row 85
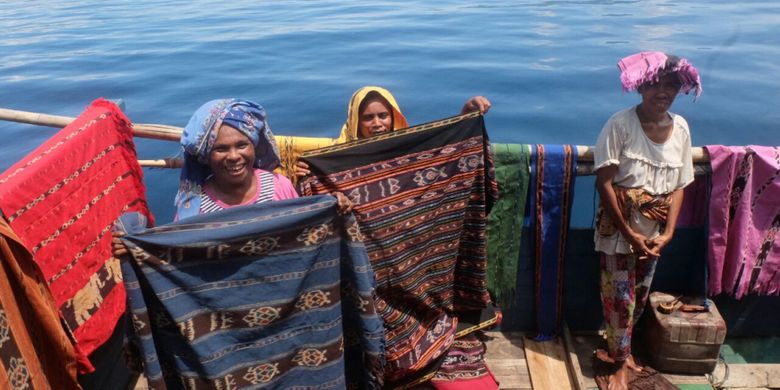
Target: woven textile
column 278, row 294
column 421, row 198
column 35, row 350
column 62, row 200
column 553, row 170
column 465, row 367
column 505, row 222
column 744, row 220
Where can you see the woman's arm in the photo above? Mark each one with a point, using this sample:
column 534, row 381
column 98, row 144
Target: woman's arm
column 604, row 178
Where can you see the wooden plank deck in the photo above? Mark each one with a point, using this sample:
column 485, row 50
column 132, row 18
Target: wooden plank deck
column 519, row 363
column 506, row 359
column 547, row 364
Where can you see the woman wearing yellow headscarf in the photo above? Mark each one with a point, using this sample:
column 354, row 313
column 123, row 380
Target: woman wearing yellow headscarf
column 373, row 110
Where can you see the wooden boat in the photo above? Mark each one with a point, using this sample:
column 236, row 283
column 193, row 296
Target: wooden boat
column 519, row 362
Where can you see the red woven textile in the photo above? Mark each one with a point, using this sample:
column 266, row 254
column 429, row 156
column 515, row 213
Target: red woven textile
column 62, row 200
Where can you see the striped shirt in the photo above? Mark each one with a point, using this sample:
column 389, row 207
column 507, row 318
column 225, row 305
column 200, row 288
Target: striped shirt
column 265, row 193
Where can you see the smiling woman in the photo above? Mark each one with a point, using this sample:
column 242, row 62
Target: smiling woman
column 642, row 162
column 229, row 159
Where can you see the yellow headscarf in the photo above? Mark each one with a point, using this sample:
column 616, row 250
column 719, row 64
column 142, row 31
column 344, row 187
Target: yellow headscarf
column 349, row 132
column 291, row 148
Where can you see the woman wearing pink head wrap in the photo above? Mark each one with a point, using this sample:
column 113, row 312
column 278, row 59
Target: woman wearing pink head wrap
column 643, row 162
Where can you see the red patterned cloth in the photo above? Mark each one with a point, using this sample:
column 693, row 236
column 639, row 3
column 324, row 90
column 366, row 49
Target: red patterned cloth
column 464, row 367
column 62, row 200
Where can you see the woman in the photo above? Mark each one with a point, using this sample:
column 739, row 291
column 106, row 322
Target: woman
column 229, row 159
column 373, row 111
column 643, row 162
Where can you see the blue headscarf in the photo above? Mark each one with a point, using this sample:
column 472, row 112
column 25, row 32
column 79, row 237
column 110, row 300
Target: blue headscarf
column 198, row 139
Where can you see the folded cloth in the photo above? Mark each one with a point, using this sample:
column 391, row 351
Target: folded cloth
column 465, row 367
column 62, row 200
column 744, row 220
column 421, row 199
column 277, row 294
column 35, row 350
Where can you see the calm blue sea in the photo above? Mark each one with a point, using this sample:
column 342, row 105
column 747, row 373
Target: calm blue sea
column 547, row 66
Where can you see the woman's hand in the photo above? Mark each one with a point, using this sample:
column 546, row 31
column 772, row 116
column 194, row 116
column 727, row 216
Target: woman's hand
column 659, row 243
column 118, row 247
column 640, row 244
column 342, row 202
column 301, row 169
column 476, row 103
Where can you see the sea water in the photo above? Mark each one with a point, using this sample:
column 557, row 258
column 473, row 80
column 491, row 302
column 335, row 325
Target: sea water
column 548, row 67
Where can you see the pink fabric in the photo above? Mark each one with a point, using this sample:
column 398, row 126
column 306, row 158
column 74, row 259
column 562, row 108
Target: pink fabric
column 283, row 188
column 694, row 207
column 645, row 66
column 744, row 219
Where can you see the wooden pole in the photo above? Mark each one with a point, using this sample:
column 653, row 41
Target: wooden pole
column 161, row 132
column 173, row 133
column 162, row 163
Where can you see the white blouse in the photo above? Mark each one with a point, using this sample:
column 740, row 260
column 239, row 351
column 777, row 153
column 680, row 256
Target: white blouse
column 658, row 168
column 642, row 163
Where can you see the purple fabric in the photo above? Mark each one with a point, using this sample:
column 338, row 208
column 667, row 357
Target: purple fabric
column 648, row 66
column 693, row 212
column 744, row 220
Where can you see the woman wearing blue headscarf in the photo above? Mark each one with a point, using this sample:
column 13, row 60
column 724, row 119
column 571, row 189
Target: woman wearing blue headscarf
column 229, row 158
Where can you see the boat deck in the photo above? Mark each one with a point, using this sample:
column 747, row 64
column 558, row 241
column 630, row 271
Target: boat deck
column 520, row 363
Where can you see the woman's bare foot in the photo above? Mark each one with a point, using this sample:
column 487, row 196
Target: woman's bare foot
column 619, row 380
column 604, row 356
column 631, row 363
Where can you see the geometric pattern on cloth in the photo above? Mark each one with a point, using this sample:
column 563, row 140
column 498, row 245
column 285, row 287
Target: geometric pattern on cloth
column 464, row 367
column 744, row 220
column 553, row 171
column 62, row 200
column 276, row 295
column 421, row 196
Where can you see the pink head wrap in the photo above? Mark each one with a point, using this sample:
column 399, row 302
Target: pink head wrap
column 649, row 66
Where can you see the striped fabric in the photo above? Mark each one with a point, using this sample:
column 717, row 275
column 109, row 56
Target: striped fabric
column 62, row 200
column 553, row 170
column 272, row 295
column 265, row 181
column 421, row 198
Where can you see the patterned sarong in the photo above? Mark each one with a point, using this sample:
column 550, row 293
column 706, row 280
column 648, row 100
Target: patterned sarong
column 421, row 198
column 744, row 220
column 62, row 200
column 275, row 295
column 553, row 170
column 35, row 350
